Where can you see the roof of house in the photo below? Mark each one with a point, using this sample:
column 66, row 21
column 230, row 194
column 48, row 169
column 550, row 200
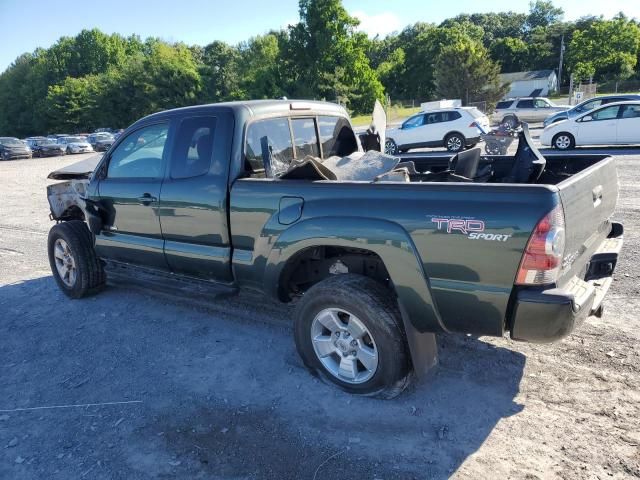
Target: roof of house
column 524, row 76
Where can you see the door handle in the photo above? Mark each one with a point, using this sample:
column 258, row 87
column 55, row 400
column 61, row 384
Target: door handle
column 147, row 199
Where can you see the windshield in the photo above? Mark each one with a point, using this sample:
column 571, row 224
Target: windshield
column 73, row 140
column 46, row 142
column 10, row 141
column 589, row 105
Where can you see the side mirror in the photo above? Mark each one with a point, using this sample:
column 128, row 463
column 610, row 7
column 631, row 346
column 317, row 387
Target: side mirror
column 586, row 118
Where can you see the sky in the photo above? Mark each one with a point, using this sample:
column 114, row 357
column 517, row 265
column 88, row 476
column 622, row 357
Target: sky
column 28, row 24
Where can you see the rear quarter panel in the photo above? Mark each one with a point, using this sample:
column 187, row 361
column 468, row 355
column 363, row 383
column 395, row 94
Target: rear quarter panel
column 469, row 280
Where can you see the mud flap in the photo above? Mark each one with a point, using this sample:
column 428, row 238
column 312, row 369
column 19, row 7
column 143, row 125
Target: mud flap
column 423, row 348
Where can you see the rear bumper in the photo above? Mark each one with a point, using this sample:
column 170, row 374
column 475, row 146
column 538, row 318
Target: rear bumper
column 544, row 316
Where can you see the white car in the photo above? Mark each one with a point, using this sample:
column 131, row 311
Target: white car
column 75, row 144
column 613, row 124
column 453, row 128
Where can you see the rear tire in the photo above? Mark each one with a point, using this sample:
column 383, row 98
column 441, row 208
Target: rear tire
column 563, row 141
column 73, row 260
column 341, row 324
column 510, row 120
column 454, row 142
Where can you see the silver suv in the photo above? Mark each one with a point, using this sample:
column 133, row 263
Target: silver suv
column 527, row 109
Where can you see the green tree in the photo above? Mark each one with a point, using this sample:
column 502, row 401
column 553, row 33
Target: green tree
column 511, row 53
column 220, row 73
column 607, row 49
column 260, row 68
column 464, row 70
column 329, row 57
column 543, row 13
column 71, row 105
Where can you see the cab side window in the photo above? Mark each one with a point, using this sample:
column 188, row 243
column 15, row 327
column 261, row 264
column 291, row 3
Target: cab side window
column 141, row 153
column 542, row 104
column 276, row 133
column 193, row 150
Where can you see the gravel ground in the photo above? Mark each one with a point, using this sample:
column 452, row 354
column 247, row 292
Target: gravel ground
column 136, row 385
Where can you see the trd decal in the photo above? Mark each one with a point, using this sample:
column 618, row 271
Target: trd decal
column 473, row 229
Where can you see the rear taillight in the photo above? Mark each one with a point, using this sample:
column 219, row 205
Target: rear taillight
column 542, row 258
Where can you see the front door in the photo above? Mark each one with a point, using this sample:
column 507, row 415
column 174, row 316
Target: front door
column 129, row 193
column 601, row 129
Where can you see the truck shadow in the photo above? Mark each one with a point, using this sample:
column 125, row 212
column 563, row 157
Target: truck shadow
column 224, row 392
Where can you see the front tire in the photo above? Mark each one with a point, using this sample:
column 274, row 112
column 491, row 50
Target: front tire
column 73, row 260
column 563, row 141
column 348, row 332
column 69, row 152
column 454, row 142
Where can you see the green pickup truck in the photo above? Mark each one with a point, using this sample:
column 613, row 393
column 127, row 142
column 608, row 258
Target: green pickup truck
column 241, row 195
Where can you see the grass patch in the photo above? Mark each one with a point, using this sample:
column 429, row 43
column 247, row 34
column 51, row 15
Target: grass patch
column 394, row 115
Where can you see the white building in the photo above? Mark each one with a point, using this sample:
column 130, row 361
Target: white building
column 537, row 83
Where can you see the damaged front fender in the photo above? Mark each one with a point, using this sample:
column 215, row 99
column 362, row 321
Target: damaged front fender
column 66, row 199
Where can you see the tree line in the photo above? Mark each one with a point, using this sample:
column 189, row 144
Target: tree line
column 95, row 79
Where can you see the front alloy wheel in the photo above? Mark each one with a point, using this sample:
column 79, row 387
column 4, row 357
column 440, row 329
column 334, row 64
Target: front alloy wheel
column 454, row 143
column 563, row 141
column 390, row 147
column 344, row 346
column 65, row 262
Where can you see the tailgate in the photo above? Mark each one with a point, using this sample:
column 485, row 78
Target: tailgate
column 588, row 199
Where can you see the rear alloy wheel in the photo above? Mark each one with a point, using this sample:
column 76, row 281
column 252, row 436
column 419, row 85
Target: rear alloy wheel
column 390, row 147
column 564, row 141
column 454, row 142
column 347, row 331
column 511, row 121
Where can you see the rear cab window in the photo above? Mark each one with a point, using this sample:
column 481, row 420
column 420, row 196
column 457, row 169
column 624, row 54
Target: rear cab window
column 296, row 137
column 336, row 136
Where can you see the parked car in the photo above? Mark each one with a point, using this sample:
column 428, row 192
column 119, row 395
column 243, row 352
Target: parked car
column 588, row 105
column 528, row 109
column 45, row 147
column 101, row 142
column 376, row 268
column 75, row 145
column 453, row 128
column 12, row 148
column 613, row 124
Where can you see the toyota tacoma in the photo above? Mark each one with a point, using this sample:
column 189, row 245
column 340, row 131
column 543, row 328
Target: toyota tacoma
column 378, row 253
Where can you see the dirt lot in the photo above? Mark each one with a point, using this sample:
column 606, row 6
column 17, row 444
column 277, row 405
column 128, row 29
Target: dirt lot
column 131, row 384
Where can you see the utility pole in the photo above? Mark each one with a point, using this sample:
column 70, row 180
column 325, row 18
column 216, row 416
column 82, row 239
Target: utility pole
column 560, row 64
